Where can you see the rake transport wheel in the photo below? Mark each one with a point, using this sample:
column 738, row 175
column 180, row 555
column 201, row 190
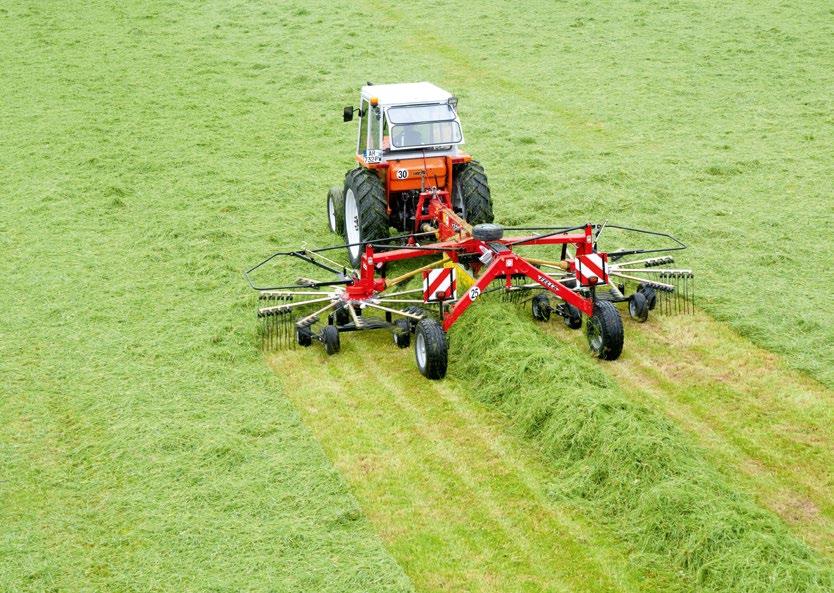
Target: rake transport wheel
column 638, row 307
column 303, row 337
column 366, row 211
column 336, row 210
column 571, row 316
column 342, row 316
column 330, row 337
column 402, row 333
column 471, row 193
column 650, row 294
column 541, row 307
column 431, row 349
column 605, row 331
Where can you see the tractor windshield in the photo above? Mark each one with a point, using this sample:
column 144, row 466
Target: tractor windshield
column 423, row 125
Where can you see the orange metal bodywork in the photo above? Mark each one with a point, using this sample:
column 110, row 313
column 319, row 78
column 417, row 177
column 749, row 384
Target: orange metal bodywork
column 407, row 174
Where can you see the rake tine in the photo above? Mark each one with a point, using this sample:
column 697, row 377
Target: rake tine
column 309, row 319
column 692, row 280
column 677, row 293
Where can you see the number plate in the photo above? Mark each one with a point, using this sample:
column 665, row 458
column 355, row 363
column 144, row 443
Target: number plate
column 373, row 156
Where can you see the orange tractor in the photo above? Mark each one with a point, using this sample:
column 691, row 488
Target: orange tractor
column 408, row 142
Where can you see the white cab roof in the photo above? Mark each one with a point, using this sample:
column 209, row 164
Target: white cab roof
column 404, row 93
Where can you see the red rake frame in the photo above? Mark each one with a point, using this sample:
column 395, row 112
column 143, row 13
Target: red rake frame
column 491, row 257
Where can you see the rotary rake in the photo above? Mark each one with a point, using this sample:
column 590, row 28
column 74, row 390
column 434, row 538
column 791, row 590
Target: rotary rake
column 419, row 284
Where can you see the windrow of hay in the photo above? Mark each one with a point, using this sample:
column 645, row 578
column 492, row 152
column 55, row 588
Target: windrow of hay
column 628, row 465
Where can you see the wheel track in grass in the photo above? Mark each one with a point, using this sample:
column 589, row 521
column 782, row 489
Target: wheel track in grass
column 763, row 424
column 461, row 503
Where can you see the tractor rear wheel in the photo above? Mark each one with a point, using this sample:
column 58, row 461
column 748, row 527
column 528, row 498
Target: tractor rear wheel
column 431, row 349
column 471, row 193
column 336, row 210
column 366, row 212
column 605, row 331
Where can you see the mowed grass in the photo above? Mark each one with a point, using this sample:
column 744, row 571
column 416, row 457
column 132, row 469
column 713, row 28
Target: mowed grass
column 150, row 152
column 461, row 502
column 144, row 446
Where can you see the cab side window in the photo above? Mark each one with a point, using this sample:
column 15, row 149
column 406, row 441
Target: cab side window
column 365, row 113
column 374, row 128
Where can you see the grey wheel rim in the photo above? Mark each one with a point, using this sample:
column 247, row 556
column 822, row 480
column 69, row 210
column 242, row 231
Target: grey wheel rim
column 352, row 224
column 420, row 349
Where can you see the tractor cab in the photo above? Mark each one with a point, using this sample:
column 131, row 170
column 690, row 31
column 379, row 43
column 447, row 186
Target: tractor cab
column 409, row 120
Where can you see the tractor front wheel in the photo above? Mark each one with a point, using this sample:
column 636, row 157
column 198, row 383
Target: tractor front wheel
column 605, row 331
column 366, row 212
column 431, row 349
column 471, row 193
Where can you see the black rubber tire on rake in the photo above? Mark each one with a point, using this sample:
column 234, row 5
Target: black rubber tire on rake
column 371, row 207
column 605, row 331
column 342, row 316
column 572, row 316
column 330, row 337
column 638, row 307
column 432, row 349
column 540, row 306
column 402, row 333
column 650, row 294
column 303, row 337
column 471, row 189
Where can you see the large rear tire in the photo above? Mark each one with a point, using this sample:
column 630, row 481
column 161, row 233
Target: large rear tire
column 366, row 212
column 471, row 193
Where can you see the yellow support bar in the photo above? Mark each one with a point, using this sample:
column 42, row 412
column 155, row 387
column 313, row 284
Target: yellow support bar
column 389, row 282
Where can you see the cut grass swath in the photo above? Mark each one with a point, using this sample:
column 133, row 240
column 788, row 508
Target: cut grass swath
column 630, row 465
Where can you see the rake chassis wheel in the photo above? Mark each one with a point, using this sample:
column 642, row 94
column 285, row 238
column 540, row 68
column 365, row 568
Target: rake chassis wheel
column 330, row 338
column 638, row 307
column 541, row 308
column 605, row 331
column 571, row 316
column 431, row 349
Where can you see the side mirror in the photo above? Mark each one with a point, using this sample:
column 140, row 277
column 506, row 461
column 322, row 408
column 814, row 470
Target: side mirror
column 347, row 114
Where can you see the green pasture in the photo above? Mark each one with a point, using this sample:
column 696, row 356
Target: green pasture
column 150, row 151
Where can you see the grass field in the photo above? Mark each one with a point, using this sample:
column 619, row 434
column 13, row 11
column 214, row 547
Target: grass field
column 149, row 152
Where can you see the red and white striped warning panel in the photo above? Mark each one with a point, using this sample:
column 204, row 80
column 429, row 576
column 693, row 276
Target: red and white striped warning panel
column 590, row 266
column 439, row 285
